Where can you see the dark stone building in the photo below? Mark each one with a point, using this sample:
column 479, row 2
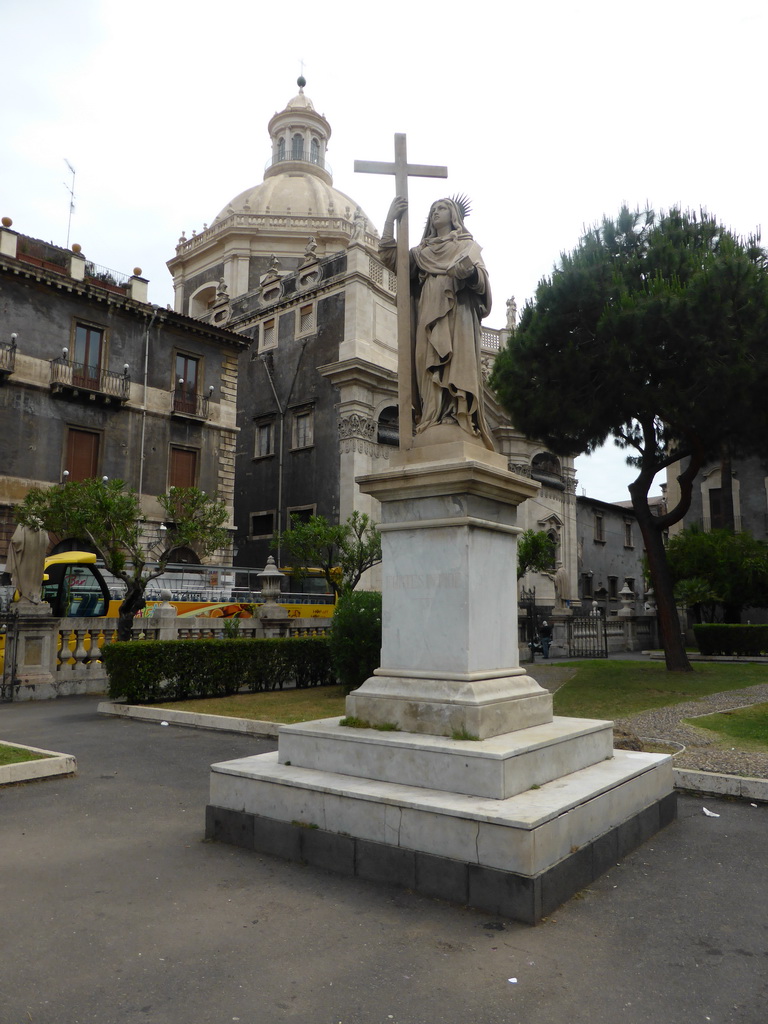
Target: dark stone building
column 95, row 381
column 610, row 554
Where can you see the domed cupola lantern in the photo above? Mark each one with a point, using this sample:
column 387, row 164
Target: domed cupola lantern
column 299, row 139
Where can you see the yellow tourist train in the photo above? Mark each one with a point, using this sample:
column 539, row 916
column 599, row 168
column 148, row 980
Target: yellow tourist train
column 74, row 586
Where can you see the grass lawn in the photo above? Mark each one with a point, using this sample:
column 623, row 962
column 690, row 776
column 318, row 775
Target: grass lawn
column 749, row 726
column 283, row 706
column 14, row 755
column 598, row 689
column 617, row 689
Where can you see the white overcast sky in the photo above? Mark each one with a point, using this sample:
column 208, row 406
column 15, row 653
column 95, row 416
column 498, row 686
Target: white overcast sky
column 547, row 115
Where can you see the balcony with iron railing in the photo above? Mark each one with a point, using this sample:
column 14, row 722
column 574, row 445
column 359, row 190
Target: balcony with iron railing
column 112, row 280
column 76, row 380
column 190, row 404
column 7, row 359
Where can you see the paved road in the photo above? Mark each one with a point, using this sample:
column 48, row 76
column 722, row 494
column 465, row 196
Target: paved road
column 115, row 911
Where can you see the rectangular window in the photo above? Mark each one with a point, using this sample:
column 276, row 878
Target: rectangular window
column 629, row 541
column 185, row 390
column 716, row 519
column 613, row 588
column 302, row 513
column 306, row 319
column 630, row 582
column 262, row 524
column 264, row 440
column 268, row 334
column 87, row 357
column 302, row 432
column 82, row 454
column 599, row 528
column 586, row 585
column 182, row 467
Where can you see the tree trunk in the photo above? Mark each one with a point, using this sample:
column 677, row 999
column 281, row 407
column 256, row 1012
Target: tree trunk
column 669, row 622
column 133, row 602
column 652, row 532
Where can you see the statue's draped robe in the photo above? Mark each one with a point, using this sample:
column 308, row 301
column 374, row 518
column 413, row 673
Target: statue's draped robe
column 446, row 328
column 26, row 560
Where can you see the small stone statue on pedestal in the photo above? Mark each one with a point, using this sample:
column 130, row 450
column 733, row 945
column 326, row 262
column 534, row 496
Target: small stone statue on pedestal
column 25, row 562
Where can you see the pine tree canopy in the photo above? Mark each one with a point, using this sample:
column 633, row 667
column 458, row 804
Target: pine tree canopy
column 652, row 331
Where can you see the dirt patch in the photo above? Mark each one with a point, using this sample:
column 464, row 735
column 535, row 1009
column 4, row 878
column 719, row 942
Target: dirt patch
column 551, row 677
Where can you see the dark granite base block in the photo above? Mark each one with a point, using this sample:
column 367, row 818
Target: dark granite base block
column 499, row 892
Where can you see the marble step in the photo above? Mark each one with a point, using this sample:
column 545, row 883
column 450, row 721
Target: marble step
column 500, row 767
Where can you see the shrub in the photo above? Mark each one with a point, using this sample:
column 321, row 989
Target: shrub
column 143, row 671
column 356, row 637
column 731, row 639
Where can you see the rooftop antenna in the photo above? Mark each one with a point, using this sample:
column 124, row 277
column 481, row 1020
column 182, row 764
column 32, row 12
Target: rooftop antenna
column 71, row 190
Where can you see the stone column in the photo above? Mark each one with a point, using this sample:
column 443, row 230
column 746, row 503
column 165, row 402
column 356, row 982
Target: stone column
column 560, row 618
column 164, row 617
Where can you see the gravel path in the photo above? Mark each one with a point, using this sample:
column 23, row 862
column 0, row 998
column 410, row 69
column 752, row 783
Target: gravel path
column 666, row 724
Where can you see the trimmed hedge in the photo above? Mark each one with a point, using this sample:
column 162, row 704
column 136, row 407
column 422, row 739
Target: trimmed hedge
column 143, row 671
column 731, row 639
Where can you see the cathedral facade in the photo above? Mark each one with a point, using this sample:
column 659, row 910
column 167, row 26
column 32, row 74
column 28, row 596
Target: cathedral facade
column 292, row 265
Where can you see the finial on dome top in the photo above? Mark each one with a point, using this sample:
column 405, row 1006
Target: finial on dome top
column 301, row 81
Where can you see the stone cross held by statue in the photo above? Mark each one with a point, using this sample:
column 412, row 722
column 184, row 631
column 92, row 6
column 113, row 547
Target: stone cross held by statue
column 402, row 170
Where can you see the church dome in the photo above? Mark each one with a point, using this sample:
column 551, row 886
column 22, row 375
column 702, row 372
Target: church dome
column 295, row 203
column 293, row 193
column 298, row 181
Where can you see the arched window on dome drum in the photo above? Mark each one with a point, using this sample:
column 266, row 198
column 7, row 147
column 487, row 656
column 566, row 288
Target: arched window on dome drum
column 297, row 147
column 315, row 151
column 281, row 149
column 388, row 427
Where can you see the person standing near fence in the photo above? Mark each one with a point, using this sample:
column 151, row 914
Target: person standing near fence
column 545, row 635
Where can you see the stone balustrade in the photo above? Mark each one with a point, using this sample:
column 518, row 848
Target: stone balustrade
column 79, row 642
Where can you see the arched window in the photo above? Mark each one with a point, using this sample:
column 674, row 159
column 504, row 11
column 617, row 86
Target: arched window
column 315, row 151
column 554, row 536
column 281, row 149
column 202, row 300
column 545, row 468
column 73, row 544
column 297, row 147
column 389, row 426
column 184, row 556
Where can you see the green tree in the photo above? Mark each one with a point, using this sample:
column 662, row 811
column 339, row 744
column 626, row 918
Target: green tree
column 719, row 568
column 651, row 332
column 355, row 638
column 535, row 551
column 342, row 551
column 108, row 514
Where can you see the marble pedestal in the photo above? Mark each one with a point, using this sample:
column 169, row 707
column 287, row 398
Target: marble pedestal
column 458, row 780
column 449, row 656
column 36, row 638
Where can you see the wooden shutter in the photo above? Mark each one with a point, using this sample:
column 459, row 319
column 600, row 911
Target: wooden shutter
column 82, row 454
column 183, row 468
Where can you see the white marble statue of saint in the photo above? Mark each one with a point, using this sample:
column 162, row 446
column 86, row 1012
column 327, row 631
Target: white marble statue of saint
column 451, row 294
column 562, row 585
column 26, row 561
